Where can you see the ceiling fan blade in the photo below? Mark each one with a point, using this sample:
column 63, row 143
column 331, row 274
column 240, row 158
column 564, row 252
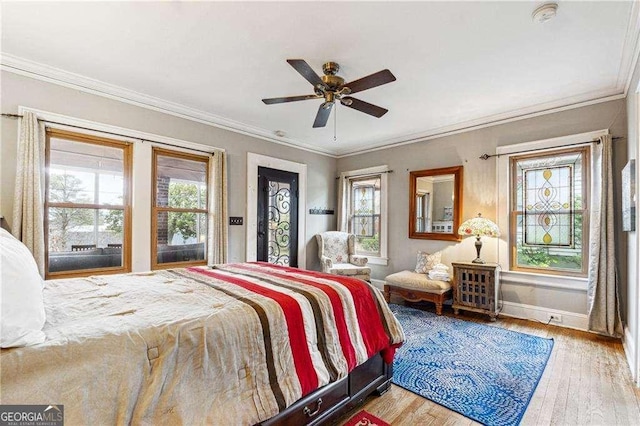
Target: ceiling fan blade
column 323, row 114
column 306, row 71
column 363, row 106
column 373, row 80
column 271, row 101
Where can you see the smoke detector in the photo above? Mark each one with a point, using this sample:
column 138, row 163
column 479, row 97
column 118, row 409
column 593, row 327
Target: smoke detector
column 545, row 12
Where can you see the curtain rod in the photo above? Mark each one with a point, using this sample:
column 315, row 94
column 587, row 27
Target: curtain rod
column 366, row 174
column 487, row 156
column 113, row 133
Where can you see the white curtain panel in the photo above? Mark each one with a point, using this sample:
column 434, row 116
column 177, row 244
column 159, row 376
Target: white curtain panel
column 218, row 216
column 604, row 307
column 343, row 208
column 28, row 208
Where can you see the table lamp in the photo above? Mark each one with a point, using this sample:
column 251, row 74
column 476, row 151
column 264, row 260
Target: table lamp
column 478, row 226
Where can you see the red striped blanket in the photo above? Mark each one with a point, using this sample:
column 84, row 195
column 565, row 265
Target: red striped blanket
column 235, row 344
column 343, row 320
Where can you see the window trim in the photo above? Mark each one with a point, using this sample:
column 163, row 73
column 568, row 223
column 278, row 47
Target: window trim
column 155, row 152
column 504, row 201
column 585, row 152
column 127, row 148
column 141, row 143
column 383, row 171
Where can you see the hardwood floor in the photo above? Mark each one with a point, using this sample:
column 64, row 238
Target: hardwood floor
column 586, row 382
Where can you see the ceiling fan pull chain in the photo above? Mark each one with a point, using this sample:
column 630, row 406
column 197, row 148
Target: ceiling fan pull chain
column 335, row 122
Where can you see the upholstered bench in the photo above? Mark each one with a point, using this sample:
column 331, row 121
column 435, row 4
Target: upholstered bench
column 415, row 287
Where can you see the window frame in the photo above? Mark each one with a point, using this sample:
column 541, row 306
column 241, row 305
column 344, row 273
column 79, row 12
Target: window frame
column 127, row 149
column 345, row 214
column 536, row 279
column 585, row 152
column 352, row 208
column 155, row 152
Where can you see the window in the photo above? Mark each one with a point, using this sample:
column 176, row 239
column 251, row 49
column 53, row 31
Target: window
column 364, row 214
column 364, row 210
column 87, row 205
column 549, row 211
column 180, row 209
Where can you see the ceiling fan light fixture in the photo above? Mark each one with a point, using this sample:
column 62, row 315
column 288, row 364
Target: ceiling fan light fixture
column 332, row 88
column 545, row 13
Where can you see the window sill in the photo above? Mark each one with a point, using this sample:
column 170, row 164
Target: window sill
column 378, row 260
column 544, row 280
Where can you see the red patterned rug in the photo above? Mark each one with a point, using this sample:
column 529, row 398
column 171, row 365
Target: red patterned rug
column 365, row 419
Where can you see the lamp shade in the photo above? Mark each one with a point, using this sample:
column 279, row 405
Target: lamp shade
column 478, row 226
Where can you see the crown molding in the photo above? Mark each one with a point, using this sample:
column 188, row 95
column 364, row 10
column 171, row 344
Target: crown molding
column 631, row 48
column 65, row 122
column 39, row 71
column 481, row 123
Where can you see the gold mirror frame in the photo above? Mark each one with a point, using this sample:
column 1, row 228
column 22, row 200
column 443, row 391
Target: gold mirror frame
column 457, row 203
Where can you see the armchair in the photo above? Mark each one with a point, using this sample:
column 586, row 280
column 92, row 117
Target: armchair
column 336, row 251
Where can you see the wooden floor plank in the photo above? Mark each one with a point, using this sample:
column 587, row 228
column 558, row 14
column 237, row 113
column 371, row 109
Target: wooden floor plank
column 596, row 394
column 570, row 413
column 586, row 382
column 417, row 413
column 556, row 402
column 626, row 405
column 583, row 393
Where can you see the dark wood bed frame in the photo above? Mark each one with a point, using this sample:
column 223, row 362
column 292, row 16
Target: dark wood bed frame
column 335, row 399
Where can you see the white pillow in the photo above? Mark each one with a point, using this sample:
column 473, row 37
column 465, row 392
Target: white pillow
column 21, row 304
column 425, row 261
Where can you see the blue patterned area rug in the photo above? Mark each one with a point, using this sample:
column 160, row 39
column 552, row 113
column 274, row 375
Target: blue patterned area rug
column 487, row 374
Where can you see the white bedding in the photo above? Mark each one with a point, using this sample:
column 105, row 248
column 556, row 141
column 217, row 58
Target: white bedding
column 184, row 347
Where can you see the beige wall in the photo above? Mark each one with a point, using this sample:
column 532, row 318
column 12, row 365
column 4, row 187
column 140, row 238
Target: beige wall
column 480, row 189
column 22, row 91
column 632, row 239
column 465, row 148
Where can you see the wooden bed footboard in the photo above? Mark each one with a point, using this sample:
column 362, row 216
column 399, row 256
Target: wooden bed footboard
column 335, row 399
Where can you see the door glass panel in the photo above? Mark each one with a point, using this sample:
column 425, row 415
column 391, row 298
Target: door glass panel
column 279, row 224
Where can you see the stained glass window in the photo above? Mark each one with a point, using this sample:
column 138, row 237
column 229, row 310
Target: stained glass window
column 365, row 213
column 549, row 198
column 363, row 210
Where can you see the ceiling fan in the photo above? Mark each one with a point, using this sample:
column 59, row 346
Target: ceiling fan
column 332, row 88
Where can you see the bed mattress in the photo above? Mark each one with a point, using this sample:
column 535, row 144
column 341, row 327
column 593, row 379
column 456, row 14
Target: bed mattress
column 233, row 344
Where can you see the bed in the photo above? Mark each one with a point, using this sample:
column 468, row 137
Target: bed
column 249, row 343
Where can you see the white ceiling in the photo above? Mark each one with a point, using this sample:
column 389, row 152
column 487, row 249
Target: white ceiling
column 457, row 64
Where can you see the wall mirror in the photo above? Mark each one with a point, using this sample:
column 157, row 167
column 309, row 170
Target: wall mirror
column 435, row 203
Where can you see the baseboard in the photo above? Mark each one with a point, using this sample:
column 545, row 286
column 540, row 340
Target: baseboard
column 629, row 345
column 379, row 284
column 541, row 314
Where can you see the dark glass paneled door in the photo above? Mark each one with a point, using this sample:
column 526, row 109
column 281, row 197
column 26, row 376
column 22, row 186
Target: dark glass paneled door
column 277, row 217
